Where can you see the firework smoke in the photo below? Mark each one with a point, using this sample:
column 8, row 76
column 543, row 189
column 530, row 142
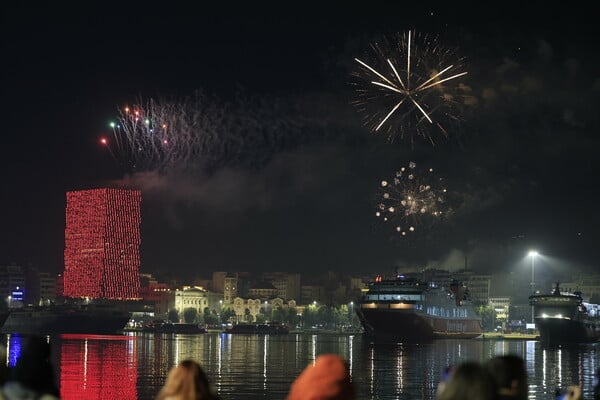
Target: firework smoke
column 198, row 133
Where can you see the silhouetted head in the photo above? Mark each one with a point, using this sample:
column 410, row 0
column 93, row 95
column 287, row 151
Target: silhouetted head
column 510, row 376
column 186, row 381
column 327, row 379
column 469, row 381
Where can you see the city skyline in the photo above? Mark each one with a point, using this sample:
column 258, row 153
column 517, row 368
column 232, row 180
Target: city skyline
column 293, row 178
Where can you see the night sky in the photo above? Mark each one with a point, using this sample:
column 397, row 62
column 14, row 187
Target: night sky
column 295, row 181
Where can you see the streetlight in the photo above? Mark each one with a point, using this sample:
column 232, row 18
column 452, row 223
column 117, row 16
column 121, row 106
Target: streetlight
column 533, row 254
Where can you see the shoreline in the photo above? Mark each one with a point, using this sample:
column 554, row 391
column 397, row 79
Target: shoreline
column 509, row 336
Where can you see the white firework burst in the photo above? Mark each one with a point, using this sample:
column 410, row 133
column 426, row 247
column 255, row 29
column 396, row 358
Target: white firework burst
column 411, row 199
column 407, row 86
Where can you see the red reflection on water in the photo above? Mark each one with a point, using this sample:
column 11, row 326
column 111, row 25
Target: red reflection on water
column 98, row 367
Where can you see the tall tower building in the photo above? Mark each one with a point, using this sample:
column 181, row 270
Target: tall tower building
column 102, row 244
column 230, row 289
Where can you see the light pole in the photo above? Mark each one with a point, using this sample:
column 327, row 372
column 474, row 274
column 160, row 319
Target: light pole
column 533, row 254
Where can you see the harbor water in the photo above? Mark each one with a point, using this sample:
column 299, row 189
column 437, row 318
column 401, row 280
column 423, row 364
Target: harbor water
column 242, row 367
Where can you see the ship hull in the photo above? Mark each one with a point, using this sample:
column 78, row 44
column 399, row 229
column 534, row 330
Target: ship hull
column 67, row 321
column 563, row 317
column 264, row 329
column 180, row 328
column 406, row 325
column 558, row 331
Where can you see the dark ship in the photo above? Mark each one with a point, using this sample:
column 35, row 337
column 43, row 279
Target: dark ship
column 270, row 328
column 408, row 309
column 161, row 326
column 563, row 317
column 92, row 318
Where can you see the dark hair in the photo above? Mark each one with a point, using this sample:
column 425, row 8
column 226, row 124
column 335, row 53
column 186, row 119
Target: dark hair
column 469, row 381
column 188, row 381
column 508, row 371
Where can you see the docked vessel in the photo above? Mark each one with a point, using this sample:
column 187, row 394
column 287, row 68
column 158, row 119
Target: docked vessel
column 73, row 318
column 171, row 327
column 563, row 317
column 265, row 329
column 408, row 309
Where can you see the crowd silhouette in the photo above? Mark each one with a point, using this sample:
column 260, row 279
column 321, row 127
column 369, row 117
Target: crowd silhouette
column 503, row 377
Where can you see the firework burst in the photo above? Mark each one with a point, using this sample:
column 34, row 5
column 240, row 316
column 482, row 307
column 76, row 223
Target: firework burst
column 161, row 135
column 198, row 133
column 409, row 86
column 411, row 199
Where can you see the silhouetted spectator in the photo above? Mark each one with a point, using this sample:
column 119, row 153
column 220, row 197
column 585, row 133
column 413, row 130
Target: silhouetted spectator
column 510, row 376
column 187, row 381
column 597, row 385
column 469, row 381
column 445, row 377
column 4, row 371
column 33, row 375
column 327, row 379
column 573, row 392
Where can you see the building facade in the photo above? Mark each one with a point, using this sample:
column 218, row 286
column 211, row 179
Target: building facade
column 12, row 285
column 191, row 297
column 230, row 289
column 102, row 244
column 247, row 310
column 501, row 306
column 479, row 288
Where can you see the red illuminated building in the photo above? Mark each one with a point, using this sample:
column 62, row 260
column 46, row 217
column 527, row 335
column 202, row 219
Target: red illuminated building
column 102, row 244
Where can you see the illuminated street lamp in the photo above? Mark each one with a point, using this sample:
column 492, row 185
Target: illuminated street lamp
column 533, row 254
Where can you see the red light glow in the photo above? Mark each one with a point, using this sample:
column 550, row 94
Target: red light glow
column 96, row 368
column 102, row 242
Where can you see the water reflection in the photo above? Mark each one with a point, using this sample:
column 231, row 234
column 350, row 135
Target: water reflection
column 13, row 349
column 263, row 367
column 89, row 367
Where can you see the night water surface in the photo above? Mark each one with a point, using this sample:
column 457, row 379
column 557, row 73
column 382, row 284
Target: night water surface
column 135, row 366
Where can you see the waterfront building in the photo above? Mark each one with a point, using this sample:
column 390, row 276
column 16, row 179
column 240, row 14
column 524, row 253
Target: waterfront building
column 190, row 297
column 479, row 288
column 47, row 287
column 198, row 298
column 501, row 306
column 247, row 310
column 159, row 294
column 587, row 284
column 102, row 244
column 20, row 286
column 41, row 287
column 262, row 290
column 230, row 289
column 310, row 293
column 218, row 281
column 12, row 285
column 287, row 284
column 356, row 286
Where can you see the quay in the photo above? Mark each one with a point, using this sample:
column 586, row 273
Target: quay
column 509, row 336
